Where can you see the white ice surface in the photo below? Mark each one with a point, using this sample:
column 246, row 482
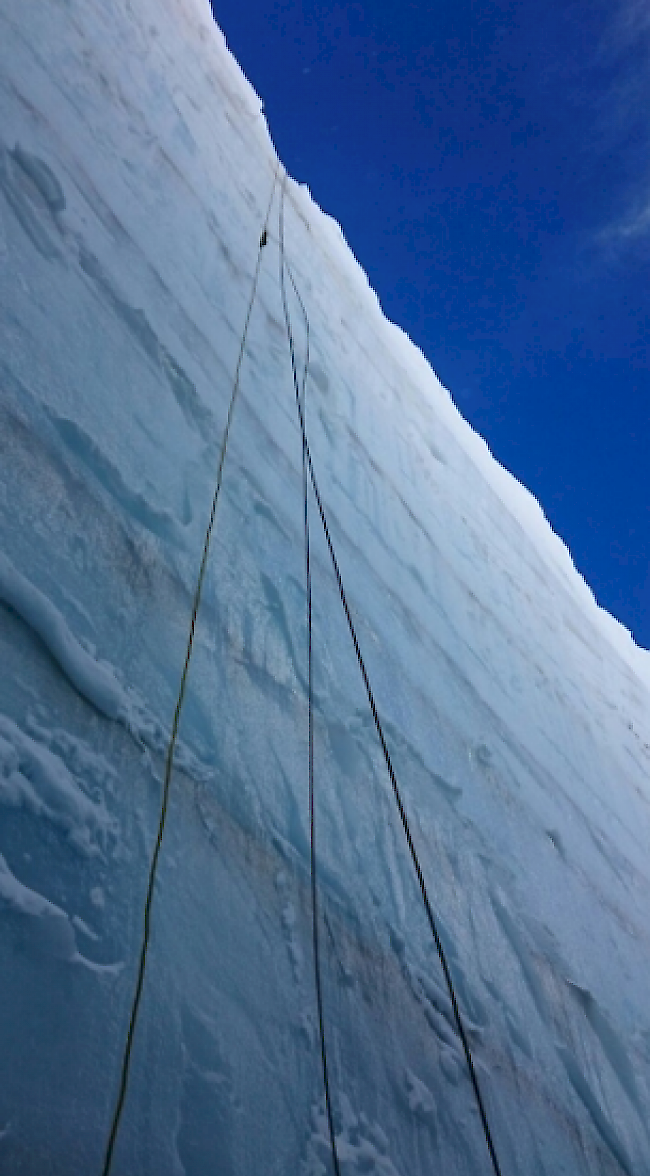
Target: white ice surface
column 135, row 169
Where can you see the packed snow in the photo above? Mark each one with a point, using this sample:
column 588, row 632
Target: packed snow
column 135, row 171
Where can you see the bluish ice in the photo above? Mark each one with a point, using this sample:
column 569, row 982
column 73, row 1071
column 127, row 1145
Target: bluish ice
column 135, row 171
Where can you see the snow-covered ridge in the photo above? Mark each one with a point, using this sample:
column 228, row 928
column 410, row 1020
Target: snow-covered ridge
column 135, row 170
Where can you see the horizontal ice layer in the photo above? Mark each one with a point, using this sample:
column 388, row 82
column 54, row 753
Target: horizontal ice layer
column 135, row 170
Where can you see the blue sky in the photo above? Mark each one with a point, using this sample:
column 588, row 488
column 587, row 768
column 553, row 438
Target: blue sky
column 489, row 164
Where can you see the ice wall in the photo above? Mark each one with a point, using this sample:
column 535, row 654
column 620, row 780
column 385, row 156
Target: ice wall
column 135, row 169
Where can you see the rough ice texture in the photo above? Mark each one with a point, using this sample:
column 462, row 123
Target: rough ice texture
column 135, row 168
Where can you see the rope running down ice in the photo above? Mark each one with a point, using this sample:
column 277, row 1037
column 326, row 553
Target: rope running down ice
column 300, row 401
column 169, row 759
column 391, row 772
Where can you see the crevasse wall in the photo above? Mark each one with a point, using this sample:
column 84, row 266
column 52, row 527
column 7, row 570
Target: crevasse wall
column 135, row 170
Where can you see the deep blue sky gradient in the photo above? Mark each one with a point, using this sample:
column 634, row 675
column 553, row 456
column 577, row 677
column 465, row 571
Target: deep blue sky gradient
column 489, row 164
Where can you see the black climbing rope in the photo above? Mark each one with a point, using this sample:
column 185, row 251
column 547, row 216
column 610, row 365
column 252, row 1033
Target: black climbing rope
column 300, row 400
column 307, row 460
column 169, row 759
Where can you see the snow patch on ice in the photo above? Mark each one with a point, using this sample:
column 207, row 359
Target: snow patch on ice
column 51, row 930
column 83, row 928
column 94, row 680
column 97, row 897
column 33, row 777
column 420, row 1099
column 362, row 1146
column 289, row 919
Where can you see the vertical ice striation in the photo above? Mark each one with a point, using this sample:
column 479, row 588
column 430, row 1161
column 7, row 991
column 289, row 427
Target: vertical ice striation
column 135, row 170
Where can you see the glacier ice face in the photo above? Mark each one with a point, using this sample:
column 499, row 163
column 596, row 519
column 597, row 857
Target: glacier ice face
column 135, row 168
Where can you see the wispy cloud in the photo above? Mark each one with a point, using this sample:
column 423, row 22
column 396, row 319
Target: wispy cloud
column 624, row 123
column 632, row 227
column 630, row 22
